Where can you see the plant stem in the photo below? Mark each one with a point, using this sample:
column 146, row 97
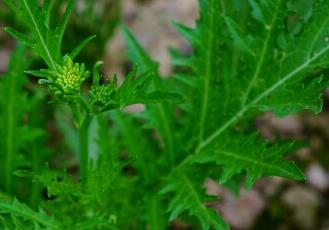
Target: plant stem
column 83, row 147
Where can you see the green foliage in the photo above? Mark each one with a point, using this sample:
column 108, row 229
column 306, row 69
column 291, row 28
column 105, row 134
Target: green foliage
column 19, row 128
column 247, row 153
column 101, row 19
column 146, row 170
column 47, row 41
column 188, row 198
column 134, row 90
column 70, row 205
column 225, row 88
column 12, row 115
column 160, row 116
column 38, row 219
column 63, row 76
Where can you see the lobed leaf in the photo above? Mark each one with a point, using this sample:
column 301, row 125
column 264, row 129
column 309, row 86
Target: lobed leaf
column 225, row 97
column 188, row 198
column 251, row 155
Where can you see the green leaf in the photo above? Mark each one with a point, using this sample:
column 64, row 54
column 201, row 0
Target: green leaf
column 251, row 155
column 135, row 90
column 18, row 209
column 30, row 13
column 188, row 198
column 205, row 65
column 41, row 36
column 80, row 47
column 62, row 25
column 239, row 40
column 257, row 11
column 19, row 36
column 47, row 7
column 137, row 54
column 13, row 106
column 155, row 215
column 42, row 73
column 283, row 76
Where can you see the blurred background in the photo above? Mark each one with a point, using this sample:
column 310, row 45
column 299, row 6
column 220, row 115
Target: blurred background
column 274, row 203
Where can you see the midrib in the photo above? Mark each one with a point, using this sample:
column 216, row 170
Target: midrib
column 252, row 161
column 43, row 43
column 265, row 93
column 197, row 199
column 207, row 77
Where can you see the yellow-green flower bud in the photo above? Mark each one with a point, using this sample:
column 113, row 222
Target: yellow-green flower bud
column 69, row 79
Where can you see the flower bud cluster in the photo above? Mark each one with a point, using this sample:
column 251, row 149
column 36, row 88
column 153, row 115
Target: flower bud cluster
column 101, row 97
column 68, row 80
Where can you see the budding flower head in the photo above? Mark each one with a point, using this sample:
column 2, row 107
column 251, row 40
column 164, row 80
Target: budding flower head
column 101, row 97
column 68, row 80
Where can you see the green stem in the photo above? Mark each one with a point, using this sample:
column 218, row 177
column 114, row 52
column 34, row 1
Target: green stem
column 84, row 105
column 83, row 117
column 83, row 129
column 83, row 147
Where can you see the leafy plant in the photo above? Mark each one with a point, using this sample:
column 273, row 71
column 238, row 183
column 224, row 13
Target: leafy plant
column 20, row 128
column 249, row 57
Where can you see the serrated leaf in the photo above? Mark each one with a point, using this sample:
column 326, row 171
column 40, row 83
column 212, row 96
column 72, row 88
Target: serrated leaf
column 44, row 38
column 30, row 13
column 283, row 76
column 251, row 155
column 12, row 110
column 188, row 199
column 21, row 210
column 135, row 89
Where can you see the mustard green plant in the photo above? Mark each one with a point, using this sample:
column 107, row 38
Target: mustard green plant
column 249, row 57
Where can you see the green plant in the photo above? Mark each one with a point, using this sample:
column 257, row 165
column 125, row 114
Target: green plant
column 21, row 129
column 248, row 57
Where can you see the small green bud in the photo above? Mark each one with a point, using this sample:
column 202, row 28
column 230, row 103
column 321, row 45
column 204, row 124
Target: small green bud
column 101, row 96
